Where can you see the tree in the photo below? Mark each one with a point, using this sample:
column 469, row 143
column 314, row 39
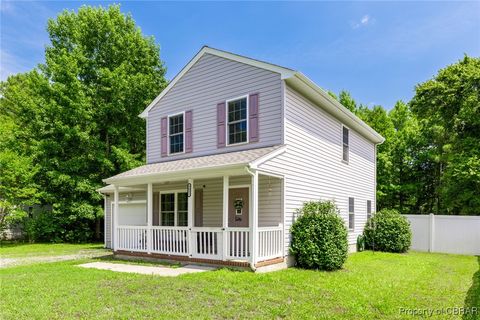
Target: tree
column 347, row 101
column 79, row 111
column 448, row 108
column 17, row 185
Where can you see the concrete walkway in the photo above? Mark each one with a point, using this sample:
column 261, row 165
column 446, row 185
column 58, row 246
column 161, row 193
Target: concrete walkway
column 150, row 270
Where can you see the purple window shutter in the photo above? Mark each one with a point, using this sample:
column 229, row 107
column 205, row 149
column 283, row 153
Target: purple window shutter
column 221, row 129
column 164, row 137
column 188, row 131
column 253, row 118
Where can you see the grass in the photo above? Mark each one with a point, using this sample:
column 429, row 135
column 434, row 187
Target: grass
column 371, row 286
column 21, row 250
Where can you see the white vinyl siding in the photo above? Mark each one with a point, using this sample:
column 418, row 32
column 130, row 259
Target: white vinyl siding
column 210, row 81
column 311, row 163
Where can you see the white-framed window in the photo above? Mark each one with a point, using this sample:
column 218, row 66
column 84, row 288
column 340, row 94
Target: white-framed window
column 345, row 144
column 351, row 214
column 174, row 208
column 369, row 209
column 237, row 120
column 176, row 133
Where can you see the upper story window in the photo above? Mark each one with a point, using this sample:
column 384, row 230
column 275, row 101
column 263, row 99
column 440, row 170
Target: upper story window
column 345, row 144
column 176, row 134
column 237, row 121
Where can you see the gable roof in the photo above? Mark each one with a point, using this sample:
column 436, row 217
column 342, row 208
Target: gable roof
column 294, row 78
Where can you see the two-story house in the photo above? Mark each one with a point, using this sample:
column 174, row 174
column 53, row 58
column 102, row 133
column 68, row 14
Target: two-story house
column 234, row 147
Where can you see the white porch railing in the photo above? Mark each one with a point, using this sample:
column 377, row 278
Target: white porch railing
column 202, row 242
column 238, row 243
column 207, row 243
column 132, row 238
column 171, row 240
column 270, row 242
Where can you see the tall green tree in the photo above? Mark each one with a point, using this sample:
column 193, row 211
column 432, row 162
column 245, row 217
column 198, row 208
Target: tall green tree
column 79, row 111
column 347, row 101
column 448, row 108
column 18, row 188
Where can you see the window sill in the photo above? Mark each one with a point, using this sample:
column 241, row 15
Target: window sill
column 176, row 153
column 345, row 162
column 237, row 144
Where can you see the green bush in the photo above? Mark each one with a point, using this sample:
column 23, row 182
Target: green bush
column 388, row 231
column 319, row 237
column 45, row 226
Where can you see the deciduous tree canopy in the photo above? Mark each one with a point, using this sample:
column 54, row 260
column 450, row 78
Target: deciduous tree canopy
column 76, row 116
column 430, row 160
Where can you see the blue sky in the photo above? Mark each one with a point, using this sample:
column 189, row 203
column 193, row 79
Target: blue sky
column 376, row 50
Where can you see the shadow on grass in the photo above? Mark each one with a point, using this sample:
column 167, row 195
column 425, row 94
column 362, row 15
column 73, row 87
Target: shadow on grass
column 113, row 259
column 472, row 301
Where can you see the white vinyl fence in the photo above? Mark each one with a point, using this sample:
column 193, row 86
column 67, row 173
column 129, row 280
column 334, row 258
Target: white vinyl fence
column 447, row 234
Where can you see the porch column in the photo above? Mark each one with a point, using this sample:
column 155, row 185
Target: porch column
column 190, row 219
column 225, row 217
column 149, row 216
column 253, row 218
column 116, row 198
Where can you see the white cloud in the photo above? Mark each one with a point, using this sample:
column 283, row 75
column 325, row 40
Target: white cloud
column 363, row 22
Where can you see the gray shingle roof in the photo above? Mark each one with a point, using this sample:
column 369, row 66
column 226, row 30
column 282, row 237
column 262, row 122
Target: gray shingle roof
column 216, row 160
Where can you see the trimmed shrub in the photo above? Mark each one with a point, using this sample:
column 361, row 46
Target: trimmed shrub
column 319, row 237
column 388, row 231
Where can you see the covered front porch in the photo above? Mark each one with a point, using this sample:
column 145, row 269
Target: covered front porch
column 234, row 219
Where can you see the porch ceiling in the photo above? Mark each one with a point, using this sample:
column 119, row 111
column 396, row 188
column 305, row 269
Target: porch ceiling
column 215, row 162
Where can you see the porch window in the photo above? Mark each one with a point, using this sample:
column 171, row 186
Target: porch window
column 346, row 144
column 351, row 214
column 182, row 209
column 167, row 209
column 176, row 133
column 237, row 121
column 174, row 209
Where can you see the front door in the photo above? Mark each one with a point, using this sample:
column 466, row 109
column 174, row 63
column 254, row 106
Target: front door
column 238, row 204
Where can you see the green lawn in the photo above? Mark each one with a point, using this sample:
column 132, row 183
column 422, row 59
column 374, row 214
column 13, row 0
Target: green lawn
column 20, row 250
column 371, row 286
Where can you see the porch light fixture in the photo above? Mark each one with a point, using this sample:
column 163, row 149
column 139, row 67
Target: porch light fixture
column 189, row 190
